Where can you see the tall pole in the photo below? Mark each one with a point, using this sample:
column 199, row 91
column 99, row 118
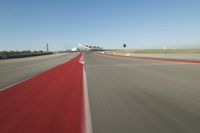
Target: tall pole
column 47, row 47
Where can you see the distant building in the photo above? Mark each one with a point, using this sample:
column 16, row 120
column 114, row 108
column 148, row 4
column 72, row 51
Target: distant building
column 89, row 48
column 74, row 49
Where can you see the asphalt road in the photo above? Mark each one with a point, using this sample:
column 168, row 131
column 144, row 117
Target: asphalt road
column 143, row 96
column 127, row 95
column 15, row 70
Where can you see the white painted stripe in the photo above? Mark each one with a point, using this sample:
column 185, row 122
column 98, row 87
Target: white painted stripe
column 81, row 60
column 16, row 83
column 88, row 121
column 87, row 127
column 7, row 87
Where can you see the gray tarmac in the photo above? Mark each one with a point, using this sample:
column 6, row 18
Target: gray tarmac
column 15, row 70
column 127, row 95
column 143, row 96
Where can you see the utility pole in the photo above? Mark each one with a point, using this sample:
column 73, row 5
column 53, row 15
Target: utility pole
column 47, row 47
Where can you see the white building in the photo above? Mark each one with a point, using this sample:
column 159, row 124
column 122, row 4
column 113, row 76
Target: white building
column 74, row 49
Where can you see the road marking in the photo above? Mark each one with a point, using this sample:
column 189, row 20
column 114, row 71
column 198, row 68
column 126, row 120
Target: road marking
column 82, row 59
column 9, row 86
column 154, row 58
column 87, row 125
column 88, row 121
column 56, row 99
column 136, row 65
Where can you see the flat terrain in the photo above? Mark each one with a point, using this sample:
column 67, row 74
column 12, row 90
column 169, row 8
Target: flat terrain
column 15, row 70
column 125, row 95
column 143, row 96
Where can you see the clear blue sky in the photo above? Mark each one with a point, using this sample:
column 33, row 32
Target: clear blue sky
column 30, row 24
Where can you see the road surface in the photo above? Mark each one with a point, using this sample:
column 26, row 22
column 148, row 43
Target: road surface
column 15, row 70
column 143, row 96
column 50, row 102
column 125, row 95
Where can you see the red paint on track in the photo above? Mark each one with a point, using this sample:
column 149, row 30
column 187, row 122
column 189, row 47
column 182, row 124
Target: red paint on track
column 52, row 102
column 155, row 58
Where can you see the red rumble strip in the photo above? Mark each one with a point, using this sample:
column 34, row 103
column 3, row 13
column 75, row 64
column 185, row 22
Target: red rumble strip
column 52, row 102
column 154, row 58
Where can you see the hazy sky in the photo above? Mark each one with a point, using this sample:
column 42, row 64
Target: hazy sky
column 30, row 24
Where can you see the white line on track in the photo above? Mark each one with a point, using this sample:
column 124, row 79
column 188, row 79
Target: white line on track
column 7, row 87
column 87, row 127
column 88, row 122
column 16, row 83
